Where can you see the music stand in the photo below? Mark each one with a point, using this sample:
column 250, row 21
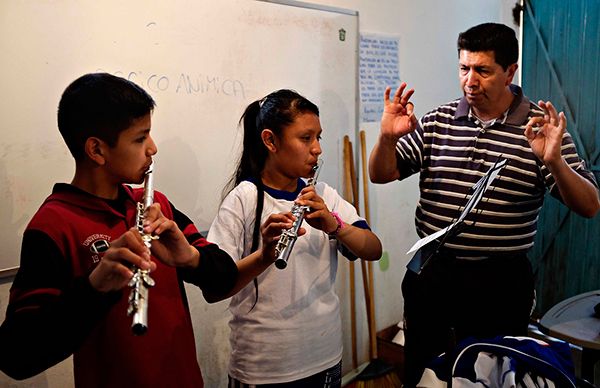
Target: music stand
column 429, row 246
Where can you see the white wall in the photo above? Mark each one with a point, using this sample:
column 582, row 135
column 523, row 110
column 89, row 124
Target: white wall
column 428, row 62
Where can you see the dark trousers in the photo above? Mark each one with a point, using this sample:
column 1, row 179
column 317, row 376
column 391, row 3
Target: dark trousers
column 452, row 299
column 329, row 378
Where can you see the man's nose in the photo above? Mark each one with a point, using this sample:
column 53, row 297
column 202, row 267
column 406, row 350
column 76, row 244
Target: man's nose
column 472, row 79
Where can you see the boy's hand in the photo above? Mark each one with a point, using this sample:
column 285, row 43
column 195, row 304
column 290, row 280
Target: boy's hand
column 319, row 216
column 113, row 271
column 271, row 230
column 171, row 247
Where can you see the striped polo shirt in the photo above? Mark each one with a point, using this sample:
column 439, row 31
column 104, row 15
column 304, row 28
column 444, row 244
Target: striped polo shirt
column 452, row 149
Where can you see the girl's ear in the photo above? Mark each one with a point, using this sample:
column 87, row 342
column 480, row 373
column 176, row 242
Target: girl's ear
column 268, row 139
column 95, row 149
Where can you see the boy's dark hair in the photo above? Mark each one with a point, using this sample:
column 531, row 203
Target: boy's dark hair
column 495, row 37
column 99, row 105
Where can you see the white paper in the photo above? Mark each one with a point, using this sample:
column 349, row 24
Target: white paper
column 478, row 190
column 378, row 68
column 425, row 240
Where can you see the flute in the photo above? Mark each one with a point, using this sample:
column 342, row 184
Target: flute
column 141, row 281
column 289, row 236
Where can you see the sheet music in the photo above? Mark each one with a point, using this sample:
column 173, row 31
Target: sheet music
column 478, row 189
column 426, row 240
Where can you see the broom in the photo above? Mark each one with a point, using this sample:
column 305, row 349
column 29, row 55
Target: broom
column 377, row 374
column 349, row 196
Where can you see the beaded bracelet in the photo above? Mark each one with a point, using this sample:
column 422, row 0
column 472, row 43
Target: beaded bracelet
column 340, row 224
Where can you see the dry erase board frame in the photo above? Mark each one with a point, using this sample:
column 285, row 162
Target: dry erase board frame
column 203, row 62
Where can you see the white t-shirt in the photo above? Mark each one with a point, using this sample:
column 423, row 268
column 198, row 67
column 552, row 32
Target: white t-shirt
column 294, row 331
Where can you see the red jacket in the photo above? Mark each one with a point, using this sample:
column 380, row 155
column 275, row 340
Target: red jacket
column 54, row 312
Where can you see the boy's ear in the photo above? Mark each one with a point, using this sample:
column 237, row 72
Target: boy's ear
column 95, row 150
column 268, row 138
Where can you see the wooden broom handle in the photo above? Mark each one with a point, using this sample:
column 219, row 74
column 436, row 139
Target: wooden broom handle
column 348, row 195
column 371, row 285
column 368, row 294
column 363, row 265
column 362, row 262
column 363, row 154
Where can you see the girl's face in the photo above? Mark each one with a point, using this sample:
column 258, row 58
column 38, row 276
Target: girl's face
column 298, row 147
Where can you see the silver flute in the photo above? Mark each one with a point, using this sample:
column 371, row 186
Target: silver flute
column 289, row 236
column 141, row 281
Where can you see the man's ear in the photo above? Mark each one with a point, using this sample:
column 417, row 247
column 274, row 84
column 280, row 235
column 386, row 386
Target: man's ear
column 512, row 70
column 268, row 139
column 95, row 149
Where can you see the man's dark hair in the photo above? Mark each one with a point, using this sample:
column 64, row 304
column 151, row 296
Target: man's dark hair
column 99, row 105
column 495, row 37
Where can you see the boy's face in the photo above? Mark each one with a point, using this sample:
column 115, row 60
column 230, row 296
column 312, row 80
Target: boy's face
column 131, row 157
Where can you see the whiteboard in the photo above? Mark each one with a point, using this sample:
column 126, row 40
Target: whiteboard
column 202, row 61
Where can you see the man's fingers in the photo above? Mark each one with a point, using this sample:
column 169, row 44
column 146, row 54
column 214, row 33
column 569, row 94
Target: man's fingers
column 536, row 122
column 386, row 94
column 533, row 126
column 406, row 97
column 562, row 121
column 399, row 91
column 413, row 121
column 552, row 113
column 410, row 107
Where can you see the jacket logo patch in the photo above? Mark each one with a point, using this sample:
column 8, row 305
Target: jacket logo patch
column 98, row 244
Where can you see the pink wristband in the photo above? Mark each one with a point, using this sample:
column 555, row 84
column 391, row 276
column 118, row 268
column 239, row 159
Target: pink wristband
column 340, row 224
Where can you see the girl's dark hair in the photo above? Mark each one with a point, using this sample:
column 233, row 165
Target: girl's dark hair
column 275, row 112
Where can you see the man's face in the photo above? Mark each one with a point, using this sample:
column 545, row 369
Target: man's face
column 483, row 81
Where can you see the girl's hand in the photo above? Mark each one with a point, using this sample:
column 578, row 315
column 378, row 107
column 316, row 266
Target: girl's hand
column 271, row 230
column 318, row 216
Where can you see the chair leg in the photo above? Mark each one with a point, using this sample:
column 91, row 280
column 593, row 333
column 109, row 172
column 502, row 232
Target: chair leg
column 450, row 351
column 589, row 358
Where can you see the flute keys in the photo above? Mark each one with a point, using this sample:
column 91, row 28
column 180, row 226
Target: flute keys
column 134, row 279
column 148, row 281
column 141, row 276
column 134, row 297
